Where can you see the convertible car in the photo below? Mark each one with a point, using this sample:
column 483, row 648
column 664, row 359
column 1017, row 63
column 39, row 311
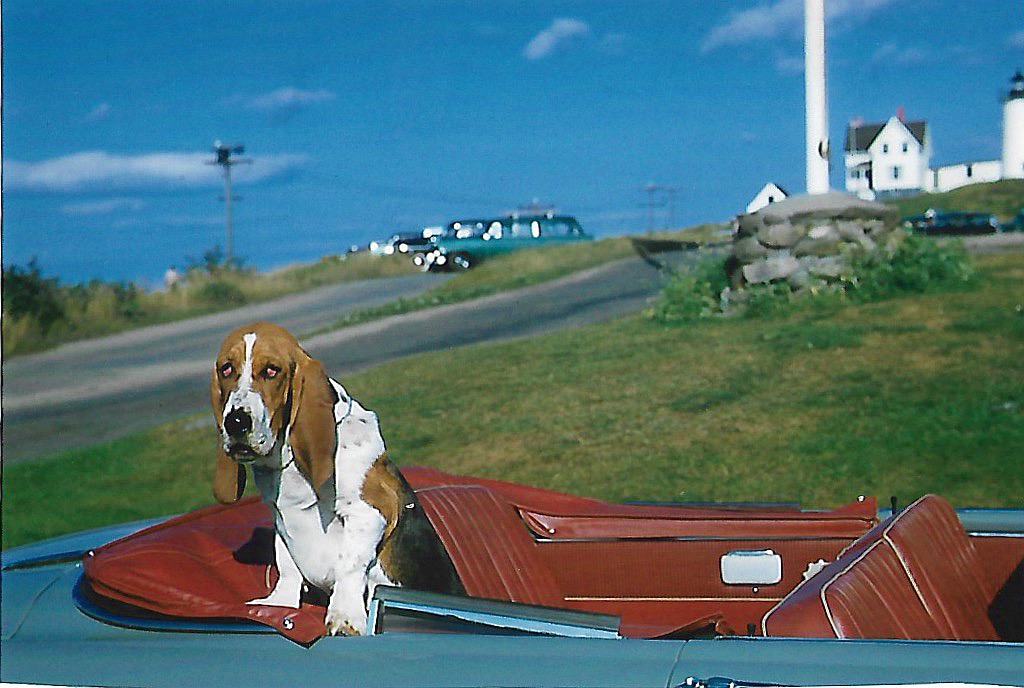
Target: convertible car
column 562, row 591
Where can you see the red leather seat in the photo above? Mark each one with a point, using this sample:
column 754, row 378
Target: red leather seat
column 492, row 551
column 914, row 576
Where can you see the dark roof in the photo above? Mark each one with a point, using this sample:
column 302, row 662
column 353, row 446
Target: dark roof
column 858, row 138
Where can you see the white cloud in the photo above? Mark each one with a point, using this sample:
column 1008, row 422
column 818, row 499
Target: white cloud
column 789, row 64
column 93, row 169
column 782, row 18
column 557, row 33
column 103, row 207
column 101, row 111
column 890, row 53
column 763, row 21
column 283, row 99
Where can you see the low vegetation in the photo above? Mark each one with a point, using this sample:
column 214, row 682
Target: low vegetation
column 913, row 265
column 919, row 392
column 40, row 312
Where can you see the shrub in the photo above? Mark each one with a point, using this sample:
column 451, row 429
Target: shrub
column 914, row 264
column 219, row 293
column 688, row 295
column 27, row 293
column 917, row 264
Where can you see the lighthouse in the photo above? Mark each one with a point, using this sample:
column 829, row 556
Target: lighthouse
column 1013, row 129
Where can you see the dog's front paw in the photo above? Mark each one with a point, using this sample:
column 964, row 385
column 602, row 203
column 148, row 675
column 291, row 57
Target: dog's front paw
column 338, row 623
column 346, row 614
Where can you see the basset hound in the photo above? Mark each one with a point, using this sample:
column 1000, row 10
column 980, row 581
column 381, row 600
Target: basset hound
column 345, row 518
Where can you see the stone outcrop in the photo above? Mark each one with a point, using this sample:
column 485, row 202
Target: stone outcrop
column 807, row 241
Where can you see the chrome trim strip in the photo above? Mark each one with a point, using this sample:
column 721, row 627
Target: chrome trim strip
column 700, row 538
column 494, row 613
column 625, row 598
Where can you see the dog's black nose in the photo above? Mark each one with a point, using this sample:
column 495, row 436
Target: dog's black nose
column 237, row 423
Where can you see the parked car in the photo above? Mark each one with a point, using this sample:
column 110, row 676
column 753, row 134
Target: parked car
column 936, row 221
column 456, row 229
column 468, row 242
column 1016, row 224
column 563, row 591
column 405, row 243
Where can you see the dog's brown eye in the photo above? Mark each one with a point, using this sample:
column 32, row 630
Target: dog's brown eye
column 271, row 371
column 226, row 370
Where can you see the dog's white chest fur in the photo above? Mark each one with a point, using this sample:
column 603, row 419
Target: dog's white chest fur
column 329, row 539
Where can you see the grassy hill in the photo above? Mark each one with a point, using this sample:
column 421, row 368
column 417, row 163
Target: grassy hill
column 1004, row 198
column 900, row 397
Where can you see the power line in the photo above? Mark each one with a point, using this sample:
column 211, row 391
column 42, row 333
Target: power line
column 224, row 152
column 652, row 190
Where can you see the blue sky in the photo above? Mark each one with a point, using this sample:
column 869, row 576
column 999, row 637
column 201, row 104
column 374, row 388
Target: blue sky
column 365, row 119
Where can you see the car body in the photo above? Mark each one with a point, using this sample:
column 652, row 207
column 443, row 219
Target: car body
column 936, row 221
column 1016, row 224
column 646, row 595
column 467, row 242
column 403, row 243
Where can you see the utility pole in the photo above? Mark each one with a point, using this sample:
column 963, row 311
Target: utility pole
column 816, row 97
column 651, row 189
column 671, row 191
column 224, row 152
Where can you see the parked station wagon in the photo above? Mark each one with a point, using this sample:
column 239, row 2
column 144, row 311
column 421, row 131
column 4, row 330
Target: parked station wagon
column 937, row 221
column 467, row 242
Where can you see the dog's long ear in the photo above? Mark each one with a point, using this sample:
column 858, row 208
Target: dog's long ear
column 228, row 479
column 228, row 474
column 312, row 430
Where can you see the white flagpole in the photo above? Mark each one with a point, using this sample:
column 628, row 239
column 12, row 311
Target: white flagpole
column 816, row 97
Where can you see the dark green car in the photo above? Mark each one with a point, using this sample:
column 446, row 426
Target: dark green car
column 466, row 243
column 1016, row 224
column 936, row 221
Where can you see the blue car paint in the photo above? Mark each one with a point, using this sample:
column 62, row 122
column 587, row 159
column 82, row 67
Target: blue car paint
column 46, row 639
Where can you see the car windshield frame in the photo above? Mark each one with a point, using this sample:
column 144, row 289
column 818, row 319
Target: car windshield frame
column 395, row 609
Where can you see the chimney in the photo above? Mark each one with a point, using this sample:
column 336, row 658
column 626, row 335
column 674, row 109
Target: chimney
column 899, row 113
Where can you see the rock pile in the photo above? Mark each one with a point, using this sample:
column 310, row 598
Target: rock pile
column 807, row 241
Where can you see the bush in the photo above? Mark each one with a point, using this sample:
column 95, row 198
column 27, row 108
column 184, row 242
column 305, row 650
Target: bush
column 214, row 262
column 219, row 293
column 692, row 294
column 914, row 264
column 26, row 293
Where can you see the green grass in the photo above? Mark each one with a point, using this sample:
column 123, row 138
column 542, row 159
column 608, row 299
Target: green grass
column 1004, row 198
column 900, row 397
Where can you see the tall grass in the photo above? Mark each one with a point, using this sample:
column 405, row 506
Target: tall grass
column 40, row 313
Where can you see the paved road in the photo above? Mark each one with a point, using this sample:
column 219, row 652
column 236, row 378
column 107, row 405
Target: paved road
column 97, row 390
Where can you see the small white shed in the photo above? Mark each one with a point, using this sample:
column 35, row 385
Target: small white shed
column 770, row 193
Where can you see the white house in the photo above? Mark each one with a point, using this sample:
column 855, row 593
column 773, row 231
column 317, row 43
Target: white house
column 887, row 159
column 893, row 158
column 946, row 177
column 769, row 193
